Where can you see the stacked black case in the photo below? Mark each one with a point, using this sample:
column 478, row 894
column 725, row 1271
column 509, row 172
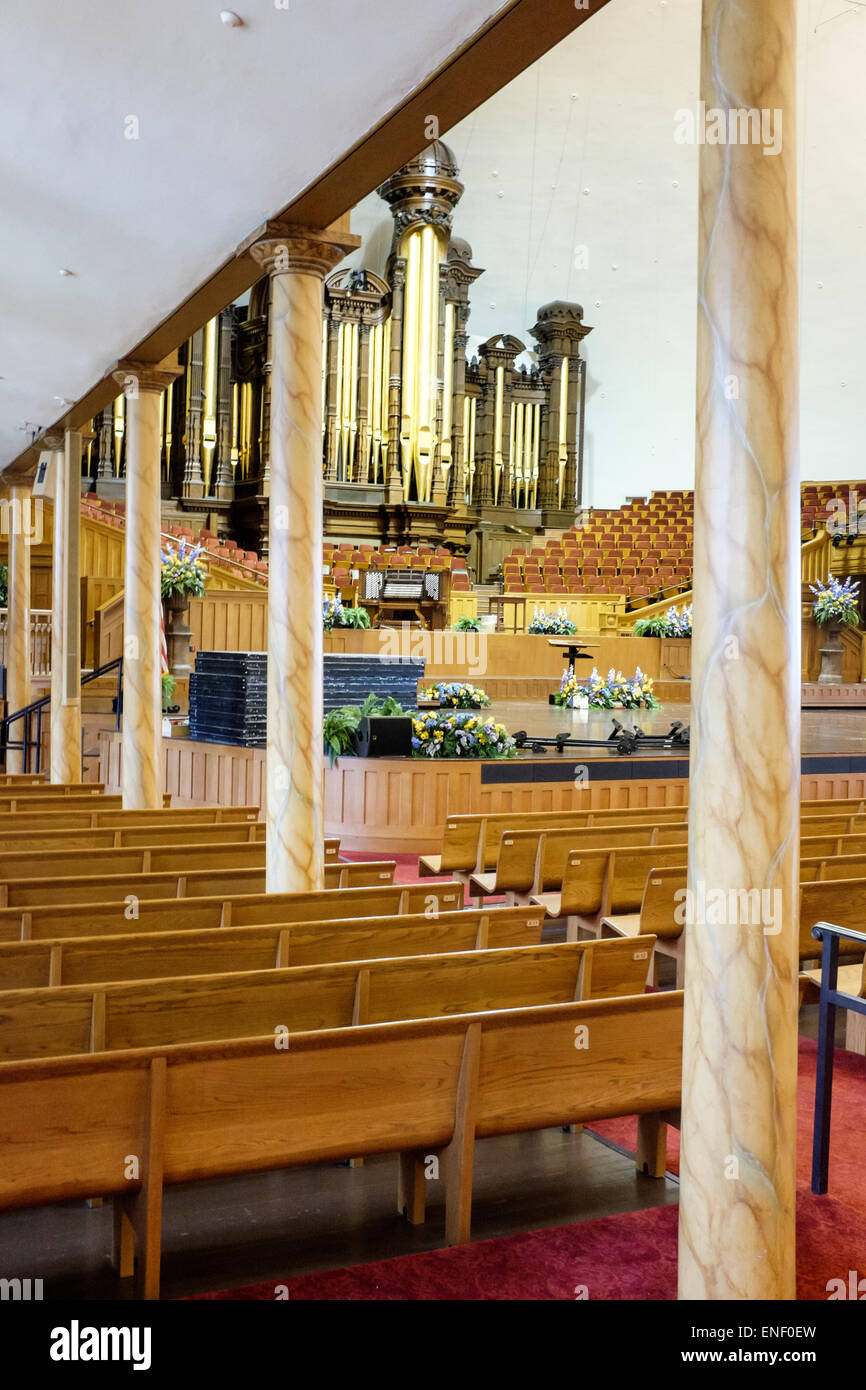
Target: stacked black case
column 228, row 698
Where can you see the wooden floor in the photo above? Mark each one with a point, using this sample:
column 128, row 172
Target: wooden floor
column 273, row 1225
column 823, row 731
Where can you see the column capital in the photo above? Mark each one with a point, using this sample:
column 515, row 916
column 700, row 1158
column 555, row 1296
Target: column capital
column 53, row 440
column 148, row 376
column 285, row 247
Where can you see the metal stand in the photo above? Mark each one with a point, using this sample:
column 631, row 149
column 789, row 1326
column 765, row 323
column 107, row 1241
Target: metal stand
column 626, row 741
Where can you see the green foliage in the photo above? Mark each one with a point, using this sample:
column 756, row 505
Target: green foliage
column 169, row 685
column 651, row 627
column 4, row 586
column 336, row 614
column 466, row 624
column 341, row 725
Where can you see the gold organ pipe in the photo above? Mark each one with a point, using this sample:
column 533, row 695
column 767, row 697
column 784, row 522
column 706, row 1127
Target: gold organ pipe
column 338, row 392
column 536, row 452
column 119, row 427
column 353, row 399
column 234, row 449
column 563, row 427
column 497, row 433
column 411, row 300
column 324, row 374
column 447, row 392
column 386, row 382
column 208, row 424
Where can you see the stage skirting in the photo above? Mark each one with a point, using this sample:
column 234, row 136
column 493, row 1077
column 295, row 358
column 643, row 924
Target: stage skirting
column 400, row 804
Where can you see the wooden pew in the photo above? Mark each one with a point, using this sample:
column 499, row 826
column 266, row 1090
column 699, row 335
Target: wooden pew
column 220, row 950
column 533, row 861
column 67, row 1020
column 47, row 837
column 208, row 1110
column 663, row 908
column 470, row 843
column 122, row 917
column 597, row 883
column 11, row 802
column 132, row 887
column 51, row 817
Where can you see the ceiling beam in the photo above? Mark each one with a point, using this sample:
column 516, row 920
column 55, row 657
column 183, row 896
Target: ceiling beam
column 511, row 42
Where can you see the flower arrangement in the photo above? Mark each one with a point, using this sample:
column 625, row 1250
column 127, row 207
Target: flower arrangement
column 458, row 694
column 467, row 624
column 675, row 623
column 610, row 691
column 182, row 571
column 337, row 614
column 458, row 734
column 553, row 624
column 836, row 603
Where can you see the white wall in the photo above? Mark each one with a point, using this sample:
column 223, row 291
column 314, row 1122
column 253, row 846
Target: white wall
column 580, row 151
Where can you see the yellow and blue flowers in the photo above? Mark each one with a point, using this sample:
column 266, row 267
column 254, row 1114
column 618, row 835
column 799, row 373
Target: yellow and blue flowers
column 458, row 694
column 182, row 571
column 552, row 624
column 610, row 691
column 836, row 603
column 437, row 734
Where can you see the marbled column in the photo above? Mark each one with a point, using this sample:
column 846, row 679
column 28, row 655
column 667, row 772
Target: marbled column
column 141, row 773
column 65, row 615
column 18, row 627
column 740, row 1044
column 298, row 259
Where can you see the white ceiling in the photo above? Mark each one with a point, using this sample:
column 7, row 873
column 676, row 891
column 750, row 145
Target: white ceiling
column 233, row 123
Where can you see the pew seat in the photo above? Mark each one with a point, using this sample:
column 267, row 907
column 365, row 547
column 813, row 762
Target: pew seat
column 198, row 1111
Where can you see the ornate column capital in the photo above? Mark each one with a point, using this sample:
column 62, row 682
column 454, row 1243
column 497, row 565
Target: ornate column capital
column 52, row 439
column 134, row 376
column 285, row 247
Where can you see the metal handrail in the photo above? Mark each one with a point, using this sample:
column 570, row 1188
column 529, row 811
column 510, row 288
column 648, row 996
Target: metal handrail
column 37, row 706
column 830, row 999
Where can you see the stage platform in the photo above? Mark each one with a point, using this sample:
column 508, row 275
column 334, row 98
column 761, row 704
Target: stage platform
column 386, row 804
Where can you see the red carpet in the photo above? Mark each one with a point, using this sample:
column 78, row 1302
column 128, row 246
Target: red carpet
column 618, row 1257
column 847, row 1137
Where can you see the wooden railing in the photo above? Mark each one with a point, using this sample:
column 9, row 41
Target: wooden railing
column 40, row 640
column 816, row 559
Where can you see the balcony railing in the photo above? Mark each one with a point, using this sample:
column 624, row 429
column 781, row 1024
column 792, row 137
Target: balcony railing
column 40, row 640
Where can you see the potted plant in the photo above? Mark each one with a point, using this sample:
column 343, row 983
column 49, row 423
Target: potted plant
column 335, row 613
column 834, row 606
column 182, row 577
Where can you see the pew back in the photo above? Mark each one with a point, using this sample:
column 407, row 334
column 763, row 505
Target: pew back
column 69, row 1020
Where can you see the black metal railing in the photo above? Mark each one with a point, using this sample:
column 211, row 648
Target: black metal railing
column 831, row 999
column 35, row 710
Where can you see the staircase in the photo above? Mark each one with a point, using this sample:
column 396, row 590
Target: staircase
column 483, row 594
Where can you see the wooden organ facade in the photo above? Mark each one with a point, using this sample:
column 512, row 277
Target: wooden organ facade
column 420, row 444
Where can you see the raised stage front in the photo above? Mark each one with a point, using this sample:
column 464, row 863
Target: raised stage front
column 400, row 804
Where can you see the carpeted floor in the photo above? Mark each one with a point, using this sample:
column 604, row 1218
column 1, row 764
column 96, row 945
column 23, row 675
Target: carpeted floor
column 633, row 1256
column 848, row 1132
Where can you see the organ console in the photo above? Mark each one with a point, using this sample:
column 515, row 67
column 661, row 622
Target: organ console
column 404, row 595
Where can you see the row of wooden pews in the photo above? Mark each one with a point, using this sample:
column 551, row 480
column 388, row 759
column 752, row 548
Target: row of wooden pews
column 152, row 1040
column 621, row 873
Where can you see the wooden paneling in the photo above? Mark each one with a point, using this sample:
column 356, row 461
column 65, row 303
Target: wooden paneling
column 230, row 620
column 475, row 656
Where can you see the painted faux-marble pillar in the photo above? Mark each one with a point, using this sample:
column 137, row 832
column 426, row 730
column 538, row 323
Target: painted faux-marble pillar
column 18, row 618
column 65, row 615
column 737, row 1174
column 298, row 259
column 141, row 771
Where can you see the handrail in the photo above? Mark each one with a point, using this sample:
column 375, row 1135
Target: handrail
column 831, row 998
column 37, row 706
column 249, row 572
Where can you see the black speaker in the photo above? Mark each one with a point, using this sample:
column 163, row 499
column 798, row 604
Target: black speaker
column 384, row 736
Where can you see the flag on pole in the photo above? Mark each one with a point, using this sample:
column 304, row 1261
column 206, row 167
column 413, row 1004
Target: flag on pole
column 163, row 647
